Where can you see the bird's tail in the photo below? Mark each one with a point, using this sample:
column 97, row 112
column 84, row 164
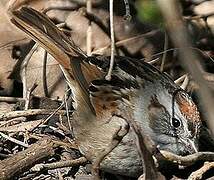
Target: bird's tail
column 39, row 27
column 45, row 32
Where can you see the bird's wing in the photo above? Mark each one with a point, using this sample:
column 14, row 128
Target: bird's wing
column 129, row 78
column 88, row 72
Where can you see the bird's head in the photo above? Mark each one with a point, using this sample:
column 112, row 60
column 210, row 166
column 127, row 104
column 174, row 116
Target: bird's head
column 175, row 122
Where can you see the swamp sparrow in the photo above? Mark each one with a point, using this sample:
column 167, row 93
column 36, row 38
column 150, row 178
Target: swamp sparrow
column 161, row 108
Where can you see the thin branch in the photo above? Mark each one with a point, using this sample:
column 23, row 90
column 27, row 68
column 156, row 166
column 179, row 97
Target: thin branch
column 11, row 43
column 199, row 173
column 166, row 45
column 89, row 30
column 11, row 99
column 12, row 121
column 28, row 96
column 29, row 112
column 67, row 111
column 23, row 160
column 23, row 68
column 21, row 127
column 154, row 61
column 123, row 42
column 204, row 16
column 189, row 159
column 181, row 48
column 44, row 74
column 108, row 76
column 54, row 112
column 13, row 140
column 61, row 164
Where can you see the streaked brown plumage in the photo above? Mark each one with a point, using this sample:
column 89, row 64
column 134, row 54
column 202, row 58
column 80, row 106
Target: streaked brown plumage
column 155, row 102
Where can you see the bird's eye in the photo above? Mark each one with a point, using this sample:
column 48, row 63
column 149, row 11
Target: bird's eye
column 176, row 122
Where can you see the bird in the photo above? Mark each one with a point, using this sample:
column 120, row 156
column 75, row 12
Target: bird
column 161, row 108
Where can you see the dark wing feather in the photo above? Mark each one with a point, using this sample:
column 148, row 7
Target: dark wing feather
column 133, row 68
column 85, row 69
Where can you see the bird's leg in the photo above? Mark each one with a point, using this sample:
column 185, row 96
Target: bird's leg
column 116, row 139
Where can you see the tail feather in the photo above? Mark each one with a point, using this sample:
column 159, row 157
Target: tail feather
column 42, row 30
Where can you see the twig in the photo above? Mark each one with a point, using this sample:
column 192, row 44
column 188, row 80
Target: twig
column 122, row 42
column 63, row 128
column 166, row 44
column 15, row 99
column 23, row 126
column 24, row 160
column 55, row 129
column 67, row 111
column 11, row 43
column 44, row 75
column 30, row 112
column 69, row 144
column 108, row 76
column 61, row 164
column 184, row 79
column 54, row 112
column 189, row 159
column 13, row 140
column 199, row 173
column 154, row 61
column 89, row 30
column 12, row 121
column 28, row 96
column 189, row 59
column 182, row 48
column 23, row 68
column 11, row 99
